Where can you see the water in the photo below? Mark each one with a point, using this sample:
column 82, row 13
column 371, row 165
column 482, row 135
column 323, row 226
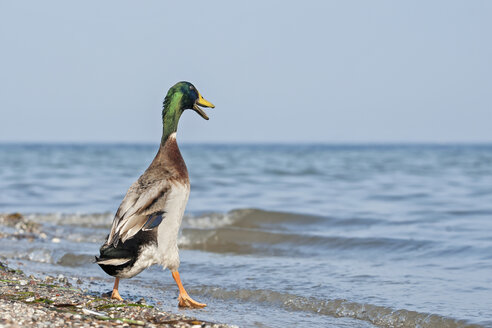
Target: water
column 279, row 235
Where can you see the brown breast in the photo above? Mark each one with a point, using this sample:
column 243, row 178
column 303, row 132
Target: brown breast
column 169, row 163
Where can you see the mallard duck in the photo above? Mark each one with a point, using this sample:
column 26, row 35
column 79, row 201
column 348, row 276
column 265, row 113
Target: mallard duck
column 146, row 225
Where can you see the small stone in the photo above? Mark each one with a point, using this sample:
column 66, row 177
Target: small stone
column 55, row 240
column 23, row 282
column 61, row 278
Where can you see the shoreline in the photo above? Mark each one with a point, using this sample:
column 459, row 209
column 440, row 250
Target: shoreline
column 29, row 301
column 32, row 302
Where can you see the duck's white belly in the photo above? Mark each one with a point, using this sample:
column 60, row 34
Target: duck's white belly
column 167, row 253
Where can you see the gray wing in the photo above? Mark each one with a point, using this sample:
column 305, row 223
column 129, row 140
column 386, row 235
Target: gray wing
column 142, row 208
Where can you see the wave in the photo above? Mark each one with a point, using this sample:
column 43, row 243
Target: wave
column 254, row 231
column 260, row 232
column 253, row 218
column 242, row 241
column 94, row 220
column 240, row 218
column 247, row 231
column 378, row 315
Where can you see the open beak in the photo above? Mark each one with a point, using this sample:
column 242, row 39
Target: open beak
column 204, row 103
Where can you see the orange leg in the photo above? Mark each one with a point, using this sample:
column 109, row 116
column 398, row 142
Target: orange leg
column 184, row 299
column 115, row 295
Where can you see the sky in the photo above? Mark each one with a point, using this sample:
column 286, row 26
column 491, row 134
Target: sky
column 277, row 71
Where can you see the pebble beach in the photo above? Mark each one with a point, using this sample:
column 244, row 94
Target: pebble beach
column 33, row 302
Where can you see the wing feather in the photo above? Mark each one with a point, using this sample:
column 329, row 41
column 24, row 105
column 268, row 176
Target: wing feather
column 141, row 201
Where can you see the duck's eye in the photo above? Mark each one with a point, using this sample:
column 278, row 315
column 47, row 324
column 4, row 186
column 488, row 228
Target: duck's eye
column 191, row 87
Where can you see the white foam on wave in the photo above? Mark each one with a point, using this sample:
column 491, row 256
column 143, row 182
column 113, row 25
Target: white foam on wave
column 189, row 240
column 78, row 219
column 208, row 221
column 40, row 255
column 99, row 220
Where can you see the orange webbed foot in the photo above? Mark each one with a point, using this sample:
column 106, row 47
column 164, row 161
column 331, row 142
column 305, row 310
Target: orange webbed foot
column 186, row 301
column 116, row 296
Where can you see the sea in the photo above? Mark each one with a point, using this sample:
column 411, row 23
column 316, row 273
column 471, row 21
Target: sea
column 277, row 235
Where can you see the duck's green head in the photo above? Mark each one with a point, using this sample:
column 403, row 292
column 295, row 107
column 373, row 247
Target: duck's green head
column 182, row 96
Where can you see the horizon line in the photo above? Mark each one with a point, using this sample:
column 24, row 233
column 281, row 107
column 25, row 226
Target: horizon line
column 440, row 143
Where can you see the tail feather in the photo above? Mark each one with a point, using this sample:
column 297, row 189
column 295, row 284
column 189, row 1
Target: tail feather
column 112, row 261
